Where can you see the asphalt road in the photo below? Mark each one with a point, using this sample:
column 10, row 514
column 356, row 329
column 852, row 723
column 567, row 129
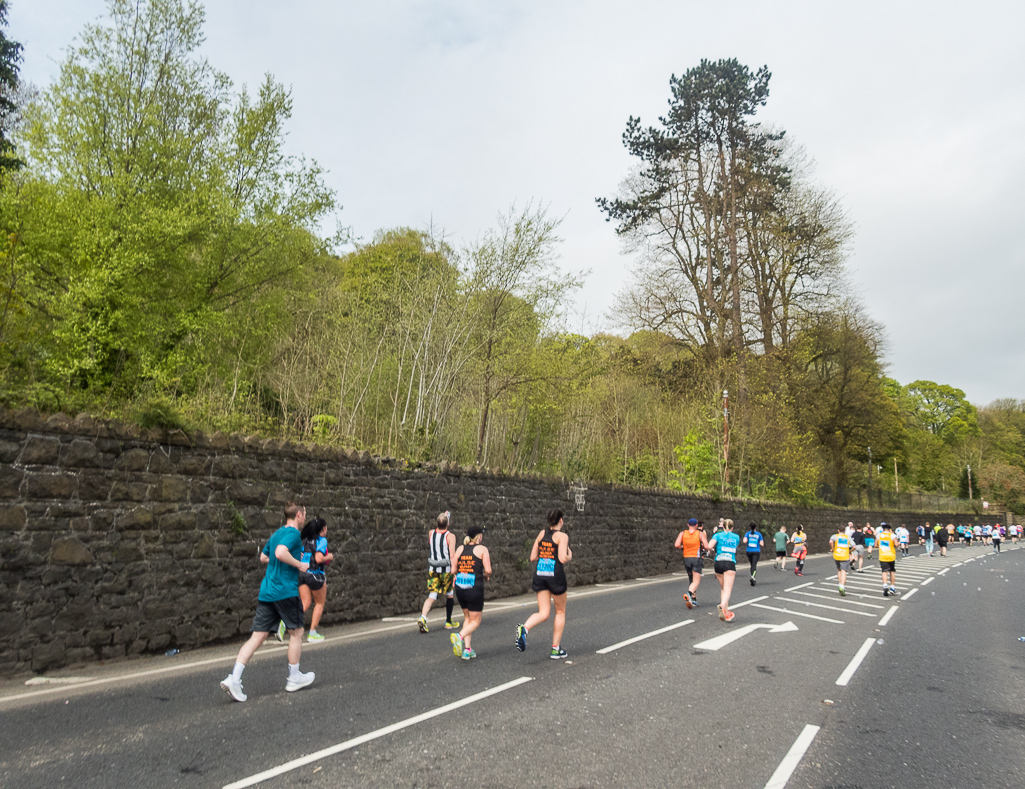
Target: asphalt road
column 935, row 701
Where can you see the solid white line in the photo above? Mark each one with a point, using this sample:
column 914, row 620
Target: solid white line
column 888, row 615
column 798, row 613
column 958, row 564
column 793, row 758
column 846, row 601
column 830, row 607
column 792, row 588
column 344, row 746
column 927, row 581
column 908, row 594
column 635, row 639
column 944, row 571
column 855, row 662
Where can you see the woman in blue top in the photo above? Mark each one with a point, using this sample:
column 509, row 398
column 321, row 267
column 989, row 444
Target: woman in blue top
column 753, row 540
column 725, row 544
column 313, row 583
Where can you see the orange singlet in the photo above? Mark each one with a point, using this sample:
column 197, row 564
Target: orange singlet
column 691, row 542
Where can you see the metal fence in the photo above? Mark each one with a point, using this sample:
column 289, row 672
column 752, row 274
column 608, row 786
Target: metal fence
column 862, row 498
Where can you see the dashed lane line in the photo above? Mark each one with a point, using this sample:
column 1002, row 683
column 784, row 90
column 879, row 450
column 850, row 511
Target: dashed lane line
column 793, row 758
column 798, row 613
column 635, row 639
column 856, row 661
column 830, row 607
column 909, row 594
column 888, row 616
column 833, row 597
column 927, row 581
column 356, row 741
column 749, row 602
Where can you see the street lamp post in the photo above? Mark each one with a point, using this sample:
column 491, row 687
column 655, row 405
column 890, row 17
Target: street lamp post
column 726, row 440
column 870, row 476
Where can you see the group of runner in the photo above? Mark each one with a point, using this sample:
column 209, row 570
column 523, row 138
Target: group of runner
column 460, row 573
column 845, row 548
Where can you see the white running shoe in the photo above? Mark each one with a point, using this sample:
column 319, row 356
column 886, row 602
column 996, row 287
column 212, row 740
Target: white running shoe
column 300, row 682
column 233, row 687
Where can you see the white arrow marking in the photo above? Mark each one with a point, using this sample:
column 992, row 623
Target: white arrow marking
column 717, row 643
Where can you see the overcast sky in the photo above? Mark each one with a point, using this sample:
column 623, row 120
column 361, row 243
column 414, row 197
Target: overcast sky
column 447, row 112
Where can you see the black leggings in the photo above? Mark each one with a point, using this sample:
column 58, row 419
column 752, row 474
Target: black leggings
column 752, row 559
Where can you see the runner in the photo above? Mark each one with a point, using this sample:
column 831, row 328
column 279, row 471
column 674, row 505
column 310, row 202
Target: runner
column 692, row 542
column 903, row 538
column 442, row 545
column 753, row 540
column 968, row 534
column 888, row 559
column 725, row 543
column 551, row 551
column 313, row 582
column 996, row 537
column 870, row 539
column 920, row 530
column 780, row 538
column 928, row 538
column 942, row 538
column 841, row 546
column 858, row 538
column 800, row 542
column 277, row 601
column 473, row 567
column 850, row 529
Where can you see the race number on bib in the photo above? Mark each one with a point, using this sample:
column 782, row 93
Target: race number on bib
column 546, row 567
column 465, row 580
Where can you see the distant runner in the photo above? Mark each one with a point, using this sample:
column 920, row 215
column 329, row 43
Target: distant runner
column 888, row 559
column 780, row 539
column 725, row 543
column 753, row 541
column 692, row 542
column 841, row 545
column 903, row 539
column 550, row 551
column 473, row 567
column 441, row 544
column 800, row 542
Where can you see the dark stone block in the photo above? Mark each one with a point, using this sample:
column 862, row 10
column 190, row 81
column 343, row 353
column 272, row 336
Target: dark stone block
column 245, row 493
column 12, row 518
column 51, row 486
column 133, row 460
column 70, row 550
column 171, row 489
column 129, row 491
column 93, row 487
column 137, row 518
column 81, row 454
column 10, row 481
column 9, row 451
column 177, row 521
column 194, row 465
column 41, row 451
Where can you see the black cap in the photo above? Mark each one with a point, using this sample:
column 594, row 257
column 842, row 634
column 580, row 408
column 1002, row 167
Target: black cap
column 473, row 531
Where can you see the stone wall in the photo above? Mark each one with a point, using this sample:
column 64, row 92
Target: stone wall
column 116, row 542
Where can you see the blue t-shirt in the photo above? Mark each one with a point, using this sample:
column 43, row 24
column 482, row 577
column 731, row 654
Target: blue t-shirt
column 726, row 543
column 281, row 581
column 754, row 541
column 317, row 545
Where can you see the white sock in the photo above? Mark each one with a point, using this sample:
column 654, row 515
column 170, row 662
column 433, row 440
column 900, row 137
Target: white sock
column 236, row 672
column 293, row 671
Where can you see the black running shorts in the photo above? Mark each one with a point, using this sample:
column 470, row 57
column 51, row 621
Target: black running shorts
column 725, row 567
column 693, row 564
column 470, row 599
column 541, row 584
column 268, row 614
column 888, row 567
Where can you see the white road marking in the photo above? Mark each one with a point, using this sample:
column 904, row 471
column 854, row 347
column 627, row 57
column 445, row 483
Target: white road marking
column 830, row 607
column 907, row 595
column 855, row 662
column 793, row 758
column 748, row 602
column 792, row 588
column 944, row 571
column 356, row 741
column 798, row 613
column 927, row 581
column 846, row 601
column 717, row 643
column 888, row 615
column 958, row 564
column 57, row 680
column 635, row 639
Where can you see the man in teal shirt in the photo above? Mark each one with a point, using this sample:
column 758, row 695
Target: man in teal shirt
column 278, row 601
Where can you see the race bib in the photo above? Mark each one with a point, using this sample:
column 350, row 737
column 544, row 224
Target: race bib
column 465, row 580
column 546, row 567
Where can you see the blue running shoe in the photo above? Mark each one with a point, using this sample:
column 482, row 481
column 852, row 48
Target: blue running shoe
column 521, row 638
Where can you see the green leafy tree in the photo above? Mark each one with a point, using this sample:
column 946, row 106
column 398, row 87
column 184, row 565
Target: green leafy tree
column 10, row 58
column 156, row 204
